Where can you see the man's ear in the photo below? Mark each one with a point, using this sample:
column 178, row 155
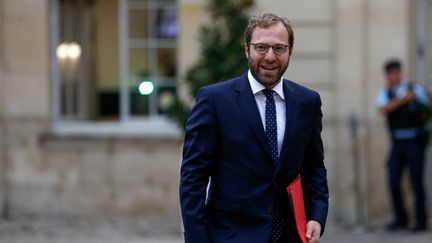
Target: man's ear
column 246, row 49
column 290, row 50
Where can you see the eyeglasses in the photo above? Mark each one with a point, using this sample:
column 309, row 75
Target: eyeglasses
column 262, row 48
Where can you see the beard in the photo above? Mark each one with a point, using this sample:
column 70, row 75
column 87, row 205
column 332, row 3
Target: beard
column 267, row 74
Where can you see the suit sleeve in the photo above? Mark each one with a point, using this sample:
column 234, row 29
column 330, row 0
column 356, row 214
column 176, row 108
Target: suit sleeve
column 314, row 174
column 199, row 153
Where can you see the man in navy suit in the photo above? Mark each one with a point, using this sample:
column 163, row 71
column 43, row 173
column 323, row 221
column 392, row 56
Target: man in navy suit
column 250, row 137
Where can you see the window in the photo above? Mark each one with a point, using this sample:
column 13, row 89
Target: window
column 113, row 60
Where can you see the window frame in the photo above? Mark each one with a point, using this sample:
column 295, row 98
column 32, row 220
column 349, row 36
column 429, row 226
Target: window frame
column 127, row 124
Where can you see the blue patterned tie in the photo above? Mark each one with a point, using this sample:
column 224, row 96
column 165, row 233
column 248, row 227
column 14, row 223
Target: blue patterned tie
column 271, row 124
column 271, row 134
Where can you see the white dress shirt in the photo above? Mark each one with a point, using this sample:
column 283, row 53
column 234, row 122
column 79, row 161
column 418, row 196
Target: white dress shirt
column 279, row 98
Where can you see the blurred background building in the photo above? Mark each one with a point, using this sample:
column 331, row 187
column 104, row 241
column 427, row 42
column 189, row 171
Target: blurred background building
column 85, row 84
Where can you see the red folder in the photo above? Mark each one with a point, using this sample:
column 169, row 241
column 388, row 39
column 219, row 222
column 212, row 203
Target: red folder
column 295, row 193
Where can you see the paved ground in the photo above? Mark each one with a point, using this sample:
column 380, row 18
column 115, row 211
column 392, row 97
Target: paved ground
column 156, row 230
column 338, row 234
column 89, row 230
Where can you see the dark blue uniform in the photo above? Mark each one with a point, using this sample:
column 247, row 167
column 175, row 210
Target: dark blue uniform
column 409, row 140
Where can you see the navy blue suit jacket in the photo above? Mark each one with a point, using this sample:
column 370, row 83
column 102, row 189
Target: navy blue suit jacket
column 225, row 141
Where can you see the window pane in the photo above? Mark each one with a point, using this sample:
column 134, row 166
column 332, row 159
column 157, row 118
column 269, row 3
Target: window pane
column 89, row 82
column 138, row 65
column 139, row 103
column 166, row 96
column 107, row 85
column 138, row 23
column 167, row 24
column 141, row 92
column 76, row 59
column 167, row 62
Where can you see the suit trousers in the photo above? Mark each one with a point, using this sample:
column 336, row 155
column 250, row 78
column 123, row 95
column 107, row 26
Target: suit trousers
column 411, row 154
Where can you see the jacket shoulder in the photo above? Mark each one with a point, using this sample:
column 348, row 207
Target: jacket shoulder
column 229, row 84
column 302, row 91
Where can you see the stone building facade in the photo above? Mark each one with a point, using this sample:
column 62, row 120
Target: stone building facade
column 52, row 163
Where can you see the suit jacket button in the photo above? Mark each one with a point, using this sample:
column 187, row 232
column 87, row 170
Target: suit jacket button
column 270, row 209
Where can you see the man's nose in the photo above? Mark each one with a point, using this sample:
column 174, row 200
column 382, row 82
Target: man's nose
column 270, row 55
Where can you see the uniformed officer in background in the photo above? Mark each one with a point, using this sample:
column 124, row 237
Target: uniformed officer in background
column 404, row 104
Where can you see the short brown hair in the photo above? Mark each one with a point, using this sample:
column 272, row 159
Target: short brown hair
column 265, row 20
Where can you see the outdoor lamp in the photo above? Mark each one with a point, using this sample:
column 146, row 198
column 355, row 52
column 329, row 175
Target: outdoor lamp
column 68, row 55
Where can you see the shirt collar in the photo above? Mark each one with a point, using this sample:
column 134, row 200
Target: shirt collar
column 257, row 86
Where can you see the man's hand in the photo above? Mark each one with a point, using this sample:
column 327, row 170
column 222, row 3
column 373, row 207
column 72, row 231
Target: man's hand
column 313, row 231
column 410, row 96
column 397, row 102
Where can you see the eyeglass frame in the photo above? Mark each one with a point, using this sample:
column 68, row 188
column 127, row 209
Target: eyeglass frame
column 268, row 48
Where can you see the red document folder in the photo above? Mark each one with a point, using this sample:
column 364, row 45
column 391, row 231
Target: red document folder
column 295, row 193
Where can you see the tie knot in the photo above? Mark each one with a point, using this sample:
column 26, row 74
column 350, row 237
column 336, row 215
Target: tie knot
column 268, row 93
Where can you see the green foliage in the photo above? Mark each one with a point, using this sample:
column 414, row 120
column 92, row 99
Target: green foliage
column 425, row 112
column 222, row 53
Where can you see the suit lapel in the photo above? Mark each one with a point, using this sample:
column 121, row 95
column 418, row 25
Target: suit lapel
column 292, row 110
column 247, row 104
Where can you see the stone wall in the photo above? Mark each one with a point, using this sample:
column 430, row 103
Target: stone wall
column 49, row 173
